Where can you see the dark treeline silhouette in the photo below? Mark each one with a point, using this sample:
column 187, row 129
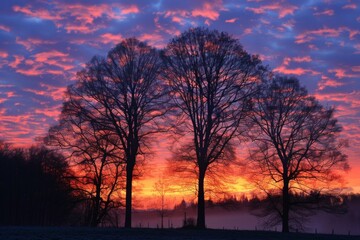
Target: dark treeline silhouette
column 207, row 92
column 35, row 187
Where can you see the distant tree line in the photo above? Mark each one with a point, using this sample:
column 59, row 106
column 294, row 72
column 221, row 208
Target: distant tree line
column 211, row 95
column 35, row 187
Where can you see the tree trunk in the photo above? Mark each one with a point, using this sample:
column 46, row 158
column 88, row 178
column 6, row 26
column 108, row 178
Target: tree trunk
column 128, row 204
column 201, row 202
column 286, row 207
column 96, row 205
column 95, row 213
column 162, row 220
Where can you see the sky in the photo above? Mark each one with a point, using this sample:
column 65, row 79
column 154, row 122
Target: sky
column 43, row 43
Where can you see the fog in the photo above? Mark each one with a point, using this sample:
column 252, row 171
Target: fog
column 220, row 218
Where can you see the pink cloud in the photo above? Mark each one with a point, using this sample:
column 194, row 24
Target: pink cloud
column 232, row 20
column 4, row 28
column 26, row 124
column 56, row 93
column 353, row 33
column 75, row 17
column 288, row 60
column 281, row 9
column 209, row 10
column 247, row 31
column 295, row 71
column 153, row 39
column 308, row 36
column 327, row 12
column 55, row 58
column 302, row 59
column 328, row 82
column 38, row 13
column 356, row 69
column 18, row 59
column 10, row 94
column 32, row 71
column 49, row 112
column 3, row 54
column 342, row 73
column 130, row 9
column 350, row 6
column 111, row 38
column 30, row 43
column 51, row 62
column 351, row 98
column 178, row 16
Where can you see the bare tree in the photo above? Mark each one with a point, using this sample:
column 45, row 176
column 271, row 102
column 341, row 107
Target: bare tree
column 297, row 149
column 94, row 156
column 121, row 96
column 212, row 79
column 161, row 189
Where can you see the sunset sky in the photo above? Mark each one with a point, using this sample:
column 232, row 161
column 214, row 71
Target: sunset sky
column 43, row 43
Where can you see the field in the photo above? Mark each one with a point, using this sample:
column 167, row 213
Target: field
column 67, row 233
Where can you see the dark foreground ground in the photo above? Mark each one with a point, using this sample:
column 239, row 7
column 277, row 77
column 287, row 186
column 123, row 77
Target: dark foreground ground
column 32, row 233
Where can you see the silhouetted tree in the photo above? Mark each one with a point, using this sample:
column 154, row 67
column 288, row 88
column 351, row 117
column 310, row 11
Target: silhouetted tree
column 122, row 96
column 161, row 188
column 94, row 155
column 212, row 79
column 296, row 145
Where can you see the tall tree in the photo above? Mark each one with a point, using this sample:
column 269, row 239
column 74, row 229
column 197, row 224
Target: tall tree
column 212, row 79
column 297, row 149
column 123, row 97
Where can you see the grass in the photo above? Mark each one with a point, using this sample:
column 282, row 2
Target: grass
column 69, row 233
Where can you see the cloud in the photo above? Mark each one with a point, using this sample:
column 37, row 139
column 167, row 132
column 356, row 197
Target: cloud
column 18, row 59
column 53, row 92
column 287, row 60
column 232, row 20
column 111, row 38
column 130, row 9
column 3, row 54
column 343, row 73
column 307, row 36
column 351, row 98
column 50, row 62
column 31, row 43
column 178, row 16
column 155, row 39
column 350, row 6
column 4, row 28
column 327, row 12
column 282, row 9
column 328, row 82
column 295, row 71
column 79, row 18
column 326, row 32
column 38, row 13
column 208, row 10
column 285, row 68
column 49, row 112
